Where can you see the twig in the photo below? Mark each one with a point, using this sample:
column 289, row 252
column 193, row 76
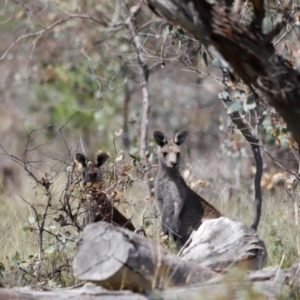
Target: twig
column 9, row 18
column 50, row 27
column 285, row 33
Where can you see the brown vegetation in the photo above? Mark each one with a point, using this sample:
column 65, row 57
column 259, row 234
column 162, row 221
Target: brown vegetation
column 79, row 74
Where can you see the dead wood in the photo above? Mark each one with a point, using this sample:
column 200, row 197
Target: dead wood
column 116, row 259
column 89, row 291
column 270, row 283
column 220, row 243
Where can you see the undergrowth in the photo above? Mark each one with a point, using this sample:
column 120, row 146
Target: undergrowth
column 21, row 263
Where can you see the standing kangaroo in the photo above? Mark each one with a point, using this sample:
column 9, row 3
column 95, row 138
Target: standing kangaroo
column 182, row 210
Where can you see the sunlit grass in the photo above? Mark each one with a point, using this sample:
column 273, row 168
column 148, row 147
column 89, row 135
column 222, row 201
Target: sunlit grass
column 19, row 249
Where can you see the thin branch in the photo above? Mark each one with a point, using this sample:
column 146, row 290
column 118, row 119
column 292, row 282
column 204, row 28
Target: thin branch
column 131, row 25
column 53, row 25
column 285, row 33
column 11, row 16
column 254, row 143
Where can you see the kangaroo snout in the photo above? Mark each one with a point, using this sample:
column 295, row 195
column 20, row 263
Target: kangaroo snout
column 172, row 164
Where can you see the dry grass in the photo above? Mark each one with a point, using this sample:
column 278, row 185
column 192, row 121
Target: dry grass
column 19, row 249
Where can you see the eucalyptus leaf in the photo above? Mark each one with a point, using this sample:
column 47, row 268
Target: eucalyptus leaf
column 284, row 141
column 233, row 106
column 16, row 257
column 248, row 107
column 225, row 95
column 2, row 267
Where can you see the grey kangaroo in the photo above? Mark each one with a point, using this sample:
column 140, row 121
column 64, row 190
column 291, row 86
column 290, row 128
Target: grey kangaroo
column 97, row 206
column 182, row 210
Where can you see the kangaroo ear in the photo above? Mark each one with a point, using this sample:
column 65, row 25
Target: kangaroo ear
column 80, row 161
column 160, row 138
column 180, row 137
column 101, row 159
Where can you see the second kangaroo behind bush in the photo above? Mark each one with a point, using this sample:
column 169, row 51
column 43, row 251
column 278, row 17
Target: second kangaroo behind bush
column 182, row 210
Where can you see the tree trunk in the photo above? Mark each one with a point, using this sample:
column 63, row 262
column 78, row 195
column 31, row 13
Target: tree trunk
column 245, row 48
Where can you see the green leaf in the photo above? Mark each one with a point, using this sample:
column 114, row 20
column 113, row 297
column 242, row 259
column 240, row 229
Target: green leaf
column 2, row 267
column 50, row 249
column 16, row 257
column 225, row 94
column 284, row 141
column 147, row 224
column 233, row 106
column 25, row 229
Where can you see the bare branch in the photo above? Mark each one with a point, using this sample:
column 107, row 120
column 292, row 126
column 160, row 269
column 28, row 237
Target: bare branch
column 245, row 129
column 11, row 16
column 53, row 25
column 130, row 22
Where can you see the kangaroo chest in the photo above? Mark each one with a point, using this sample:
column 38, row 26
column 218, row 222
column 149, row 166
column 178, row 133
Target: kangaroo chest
column 170, row 190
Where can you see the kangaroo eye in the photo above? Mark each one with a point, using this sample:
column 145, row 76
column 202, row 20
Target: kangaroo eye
column 178, row 154
column 165, row 154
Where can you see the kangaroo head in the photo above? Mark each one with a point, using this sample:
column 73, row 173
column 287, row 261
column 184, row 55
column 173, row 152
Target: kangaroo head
column 169, row 155
column 91, row 172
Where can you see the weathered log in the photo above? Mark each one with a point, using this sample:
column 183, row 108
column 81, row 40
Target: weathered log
column 89, row 291
column 270, row 283
column 116, row 258
column 220, row 243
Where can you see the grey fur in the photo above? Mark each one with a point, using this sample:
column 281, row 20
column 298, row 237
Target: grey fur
column 181, row 208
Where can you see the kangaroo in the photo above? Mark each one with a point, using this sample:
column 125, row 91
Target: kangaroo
column 97, row 206
column 91, row 172
column 182, row 210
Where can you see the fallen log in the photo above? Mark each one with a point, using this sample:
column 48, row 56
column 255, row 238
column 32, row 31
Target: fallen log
column 117, row 259
column 270, row 283
column 89, row 292
column 220, row 243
